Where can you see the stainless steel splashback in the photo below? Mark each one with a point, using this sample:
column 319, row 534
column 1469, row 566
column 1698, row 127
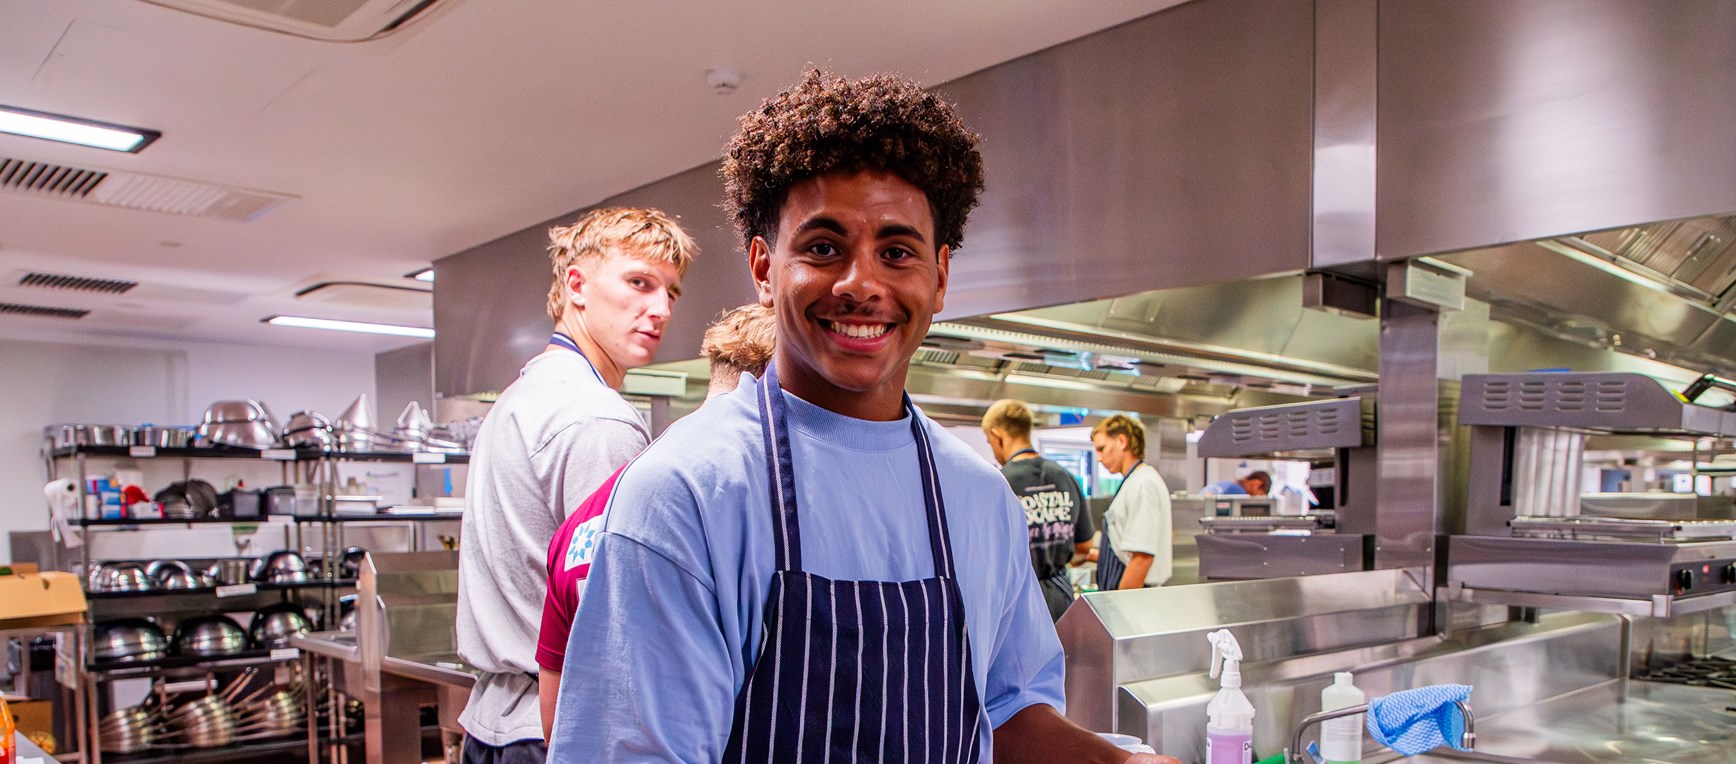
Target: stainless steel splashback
column 1116, row 638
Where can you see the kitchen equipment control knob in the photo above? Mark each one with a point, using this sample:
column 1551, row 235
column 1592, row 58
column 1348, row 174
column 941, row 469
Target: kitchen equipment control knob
column 1728, row 575
column 1684, row 580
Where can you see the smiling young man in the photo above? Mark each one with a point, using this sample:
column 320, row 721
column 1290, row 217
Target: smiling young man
column 837, row 578
column 553, row 436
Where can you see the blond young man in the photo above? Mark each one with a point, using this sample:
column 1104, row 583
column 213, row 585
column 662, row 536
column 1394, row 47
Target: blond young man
column 550, row 440
column 1056, row 517
column 739, row 342
column 1136, row 549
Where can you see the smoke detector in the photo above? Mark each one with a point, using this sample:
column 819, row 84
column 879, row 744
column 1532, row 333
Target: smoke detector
column 723, row 80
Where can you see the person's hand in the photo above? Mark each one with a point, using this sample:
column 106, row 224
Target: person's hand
column 1092, row 555
column 1152, row 758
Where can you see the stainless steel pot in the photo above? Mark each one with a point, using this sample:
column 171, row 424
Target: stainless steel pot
column 127, row 730
column 226, row 572
column 162, row 437
column 209, row 636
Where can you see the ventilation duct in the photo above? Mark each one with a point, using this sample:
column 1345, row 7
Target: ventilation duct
column 151, row 193
column 331, row 20
column 76, row 283
column 40, row 311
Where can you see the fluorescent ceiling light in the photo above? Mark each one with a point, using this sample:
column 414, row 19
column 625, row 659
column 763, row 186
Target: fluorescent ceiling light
column 351, row 326
column 426, row 274
column 84, row 132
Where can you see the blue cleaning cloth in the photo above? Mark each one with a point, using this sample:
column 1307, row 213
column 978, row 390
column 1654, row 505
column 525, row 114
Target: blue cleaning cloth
column 1423, row 719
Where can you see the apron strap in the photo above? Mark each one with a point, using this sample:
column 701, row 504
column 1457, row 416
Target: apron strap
column 781, row 474
column 787, row 534
column 561, row 339
column 939, row 538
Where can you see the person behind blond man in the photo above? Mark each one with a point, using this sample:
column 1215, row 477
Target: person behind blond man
column 1136, row 549
column 553, row 436
column 1055, row 514
column 739, row 341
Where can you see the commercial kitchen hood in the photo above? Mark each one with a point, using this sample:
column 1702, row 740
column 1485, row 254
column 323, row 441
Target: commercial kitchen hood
column 1662, row 291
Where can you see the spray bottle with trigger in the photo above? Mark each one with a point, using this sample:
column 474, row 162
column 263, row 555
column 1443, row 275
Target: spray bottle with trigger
column 1229, row 716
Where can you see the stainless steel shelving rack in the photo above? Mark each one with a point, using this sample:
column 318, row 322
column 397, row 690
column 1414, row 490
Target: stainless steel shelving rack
column 297, row 466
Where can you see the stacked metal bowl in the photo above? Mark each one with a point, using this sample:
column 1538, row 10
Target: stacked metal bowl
column 244, row 424
column 128, row 639
column 120, row 577
column 210, row 636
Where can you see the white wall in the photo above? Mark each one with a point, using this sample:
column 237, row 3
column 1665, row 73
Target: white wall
column 160, row 382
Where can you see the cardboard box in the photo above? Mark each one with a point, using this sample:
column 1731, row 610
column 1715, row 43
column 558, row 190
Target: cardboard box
column 35, row 719
column 40, row 599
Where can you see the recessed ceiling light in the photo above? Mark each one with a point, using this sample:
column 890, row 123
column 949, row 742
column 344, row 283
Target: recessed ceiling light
column 84, row 132
column 363, row 327
column 425, row 274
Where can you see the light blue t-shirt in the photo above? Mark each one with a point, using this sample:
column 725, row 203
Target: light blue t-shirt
column 1224, row 488
column 670, row 624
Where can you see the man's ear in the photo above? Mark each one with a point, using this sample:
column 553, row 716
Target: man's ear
column 575, row 279
column 943, row 260
column 759, row 264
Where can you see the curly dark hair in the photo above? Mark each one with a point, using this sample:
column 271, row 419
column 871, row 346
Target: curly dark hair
column 828, row 124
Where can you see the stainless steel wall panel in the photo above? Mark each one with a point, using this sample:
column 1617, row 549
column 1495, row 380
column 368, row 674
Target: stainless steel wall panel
column 1345, row 90
column 1169, row 151
column 1408, row 495
column 1510, row 120
column 1172, row 150
column 1112, row 638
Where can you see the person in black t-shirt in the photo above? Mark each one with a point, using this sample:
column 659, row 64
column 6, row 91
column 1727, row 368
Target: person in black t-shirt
column 1055, row 512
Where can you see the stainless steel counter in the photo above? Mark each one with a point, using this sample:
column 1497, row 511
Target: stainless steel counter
column 1643, row 722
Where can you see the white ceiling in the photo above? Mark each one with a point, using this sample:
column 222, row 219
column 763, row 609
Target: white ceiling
column 476, row 120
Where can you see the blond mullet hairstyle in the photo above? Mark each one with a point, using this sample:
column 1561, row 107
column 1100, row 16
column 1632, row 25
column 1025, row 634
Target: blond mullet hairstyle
column 742, row 339
column 1122, row 424
column 645, row 234
column 1011, row 417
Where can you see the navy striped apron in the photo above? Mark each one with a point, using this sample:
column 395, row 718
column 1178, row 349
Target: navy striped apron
column 1110, row 567
column 869, row 671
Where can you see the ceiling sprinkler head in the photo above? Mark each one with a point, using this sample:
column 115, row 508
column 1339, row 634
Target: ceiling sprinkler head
column 723, row 80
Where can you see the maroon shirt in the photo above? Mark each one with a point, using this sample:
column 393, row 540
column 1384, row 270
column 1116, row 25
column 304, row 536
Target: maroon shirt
column 570, row 555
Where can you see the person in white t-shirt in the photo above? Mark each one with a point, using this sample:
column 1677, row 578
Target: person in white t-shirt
column 1136, row 549
column 550, row 440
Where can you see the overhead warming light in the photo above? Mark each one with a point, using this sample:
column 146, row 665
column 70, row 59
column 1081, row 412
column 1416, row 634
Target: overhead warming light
column 426, row 274
column 83, row 132
column 363, row 327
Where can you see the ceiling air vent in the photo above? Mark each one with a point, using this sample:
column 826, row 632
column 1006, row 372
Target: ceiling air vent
column 40, row 311
column 50, row 179
column 332, row 20
column 76, row 283
column 151, row 193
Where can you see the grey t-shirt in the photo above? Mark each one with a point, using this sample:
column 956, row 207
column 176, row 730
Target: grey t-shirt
column 1055, row 513
column 553, row 436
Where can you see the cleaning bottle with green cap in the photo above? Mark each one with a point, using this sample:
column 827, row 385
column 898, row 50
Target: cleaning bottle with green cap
column 1229, row 715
